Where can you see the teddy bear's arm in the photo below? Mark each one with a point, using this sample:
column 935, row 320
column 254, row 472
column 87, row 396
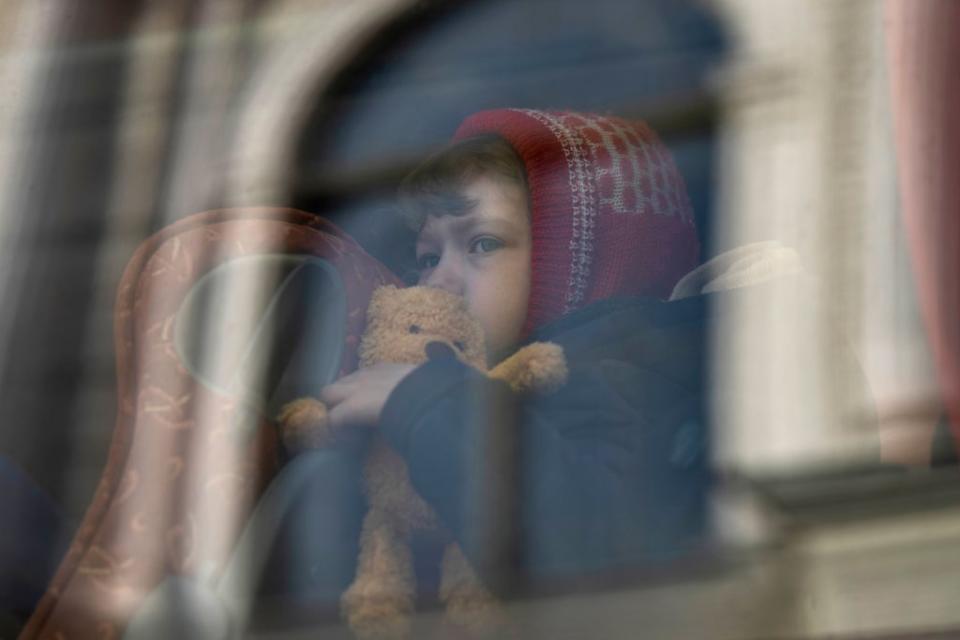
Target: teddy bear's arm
column 540, row 366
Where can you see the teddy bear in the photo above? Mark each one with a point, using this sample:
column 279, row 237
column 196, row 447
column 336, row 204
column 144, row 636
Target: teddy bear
column 401, row 322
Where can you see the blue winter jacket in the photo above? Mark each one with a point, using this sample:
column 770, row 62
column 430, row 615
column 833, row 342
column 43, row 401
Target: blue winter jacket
column 609, row 474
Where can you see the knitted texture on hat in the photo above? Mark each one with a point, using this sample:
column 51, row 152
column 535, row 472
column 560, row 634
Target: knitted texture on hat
column 610, row 212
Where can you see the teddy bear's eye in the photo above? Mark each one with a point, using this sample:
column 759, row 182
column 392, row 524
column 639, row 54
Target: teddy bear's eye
column 414, row 328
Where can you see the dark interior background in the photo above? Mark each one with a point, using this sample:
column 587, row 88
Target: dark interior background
column 407, row 95
column 389, row 107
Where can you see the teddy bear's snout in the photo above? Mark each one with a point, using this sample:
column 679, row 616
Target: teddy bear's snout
column 416, row 329
column 453, row 344
column 456, row 344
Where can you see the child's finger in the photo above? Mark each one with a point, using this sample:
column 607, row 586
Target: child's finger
column 334, row 394
column 335, row 416
column 349, row 413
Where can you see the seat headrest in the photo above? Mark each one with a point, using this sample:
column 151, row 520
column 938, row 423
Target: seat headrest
column 265, row 328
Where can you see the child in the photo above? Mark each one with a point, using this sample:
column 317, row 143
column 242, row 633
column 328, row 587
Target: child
column 568, row 228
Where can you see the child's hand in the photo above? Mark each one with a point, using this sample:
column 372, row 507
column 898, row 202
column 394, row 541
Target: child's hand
column 358, row 399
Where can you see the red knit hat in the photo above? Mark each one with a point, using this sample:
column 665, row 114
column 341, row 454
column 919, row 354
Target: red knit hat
column 610, row 213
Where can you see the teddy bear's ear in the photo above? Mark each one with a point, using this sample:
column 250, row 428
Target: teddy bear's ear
column 379, row 298
column 385, row 290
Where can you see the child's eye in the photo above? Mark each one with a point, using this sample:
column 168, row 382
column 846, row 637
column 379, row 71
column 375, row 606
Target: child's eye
column 486, row 244
column 427, row 261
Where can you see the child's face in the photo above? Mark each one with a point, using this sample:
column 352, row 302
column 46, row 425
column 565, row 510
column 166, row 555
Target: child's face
column 483, row 256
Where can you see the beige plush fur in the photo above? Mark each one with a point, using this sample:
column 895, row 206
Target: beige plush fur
column 400, row 323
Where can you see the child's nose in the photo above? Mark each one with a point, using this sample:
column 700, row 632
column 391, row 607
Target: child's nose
column 447, row 275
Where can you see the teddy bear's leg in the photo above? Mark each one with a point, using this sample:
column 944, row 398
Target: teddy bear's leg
column 468, row 603
column 380, row 601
